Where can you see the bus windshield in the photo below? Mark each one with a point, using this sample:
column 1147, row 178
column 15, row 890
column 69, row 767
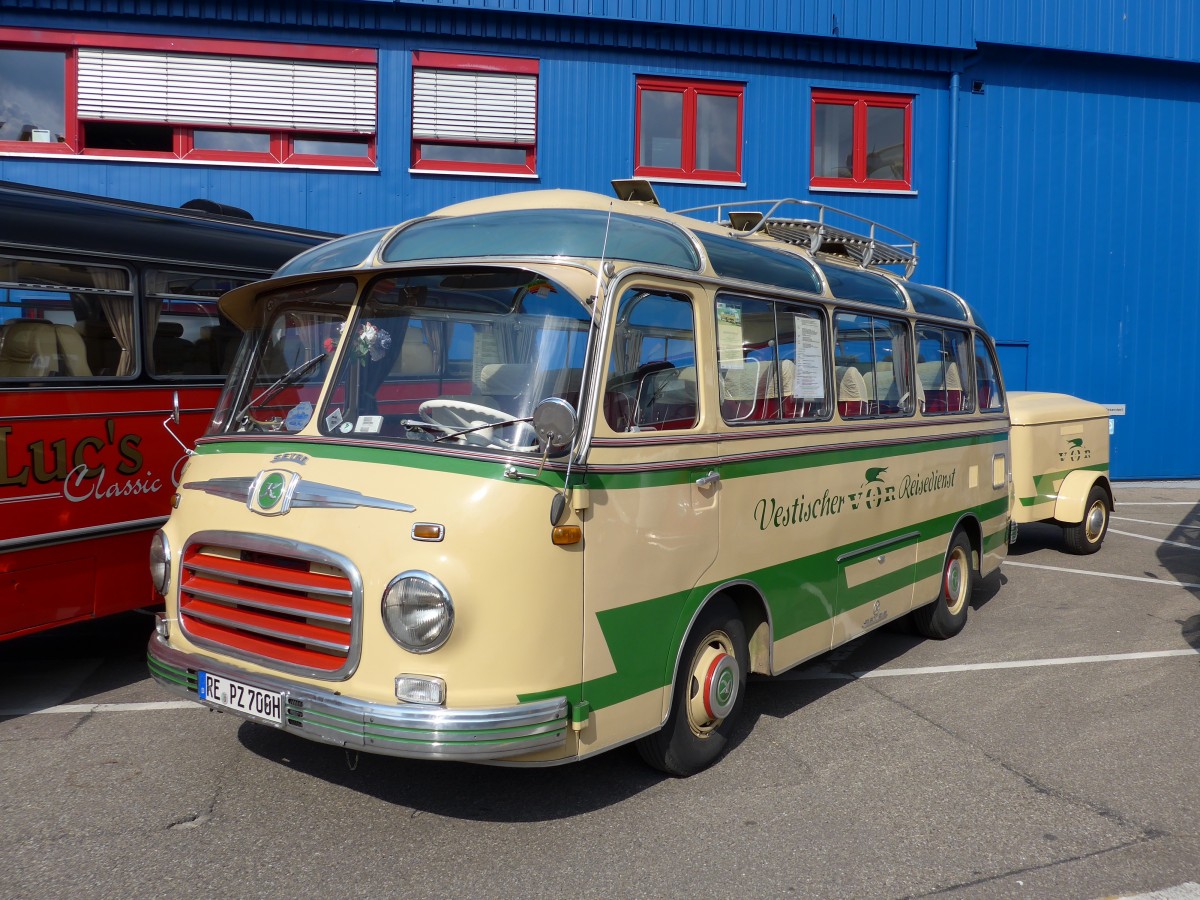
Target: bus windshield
column 449, row 357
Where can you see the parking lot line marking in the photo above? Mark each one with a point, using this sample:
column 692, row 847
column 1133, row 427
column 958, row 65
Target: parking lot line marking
column 78, row 708
column 1148, row 522
column 982, row 667
column 1158, row 503
column 1154, row 539
column 1163, row 581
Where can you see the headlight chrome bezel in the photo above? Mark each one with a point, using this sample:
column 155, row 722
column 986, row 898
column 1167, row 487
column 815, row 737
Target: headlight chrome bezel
column 392, row 613
column 160, row 556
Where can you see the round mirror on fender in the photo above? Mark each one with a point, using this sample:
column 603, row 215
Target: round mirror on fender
column 555, row 423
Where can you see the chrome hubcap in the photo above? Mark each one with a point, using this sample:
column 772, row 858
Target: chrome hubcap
column 1094, row 523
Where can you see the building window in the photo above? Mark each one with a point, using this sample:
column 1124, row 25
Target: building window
column 220, row 101
column 474, row 114
column 861, row 141
column 688, row 129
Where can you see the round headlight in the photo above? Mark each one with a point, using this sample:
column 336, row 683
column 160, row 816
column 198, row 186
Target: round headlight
column 417, row 612
column 160, row 562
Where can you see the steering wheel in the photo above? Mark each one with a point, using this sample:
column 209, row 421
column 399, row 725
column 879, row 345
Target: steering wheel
column 455, row 415
column 458, row 414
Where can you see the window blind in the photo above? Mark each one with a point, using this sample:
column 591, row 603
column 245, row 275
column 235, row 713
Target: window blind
column 482, row 107
column 236, row 91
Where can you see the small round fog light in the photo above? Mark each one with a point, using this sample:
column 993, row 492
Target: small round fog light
column 417, row 612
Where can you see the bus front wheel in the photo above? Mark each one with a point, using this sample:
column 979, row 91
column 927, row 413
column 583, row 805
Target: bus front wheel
column 707, row 697
column 947, row 615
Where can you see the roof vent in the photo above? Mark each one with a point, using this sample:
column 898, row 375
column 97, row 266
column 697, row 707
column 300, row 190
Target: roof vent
column 638, row 190
column 219, row 209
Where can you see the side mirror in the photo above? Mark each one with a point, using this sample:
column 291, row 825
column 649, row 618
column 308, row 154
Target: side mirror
column 555, row 423
column 173, row 419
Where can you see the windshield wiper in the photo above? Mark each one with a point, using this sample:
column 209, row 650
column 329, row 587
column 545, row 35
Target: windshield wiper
column 289, row 377
column 501, row 424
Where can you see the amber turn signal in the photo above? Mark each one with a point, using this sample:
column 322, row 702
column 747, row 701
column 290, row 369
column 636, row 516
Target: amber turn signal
column 564, row 535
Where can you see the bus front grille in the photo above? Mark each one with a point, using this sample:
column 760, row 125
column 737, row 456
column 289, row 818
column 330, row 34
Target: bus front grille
column 279, row 603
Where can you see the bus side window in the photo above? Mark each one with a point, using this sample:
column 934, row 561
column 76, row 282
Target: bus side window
column 185, row 332
column 772, row 360
column 942, row 361
column 38, row 337
column 987, row 378
column 872, row 367
column 652, row 371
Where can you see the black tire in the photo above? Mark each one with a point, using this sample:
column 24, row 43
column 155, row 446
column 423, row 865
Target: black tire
column 946, row 616
column 697, row 730
column 1087, row 536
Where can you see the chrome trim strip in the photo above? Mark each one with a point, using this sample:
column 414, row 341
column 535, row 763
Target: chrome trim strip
column 302, row 493
column 327, row 496
column 863, row 551
column 237, row 488
column 201, row 569
column 400, row 729
column 265, row 607
column 79, row 534
column 335, row 649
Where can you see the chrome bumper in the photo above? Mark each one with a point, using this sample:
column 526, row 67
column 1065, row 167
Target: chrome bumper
column 410, row 730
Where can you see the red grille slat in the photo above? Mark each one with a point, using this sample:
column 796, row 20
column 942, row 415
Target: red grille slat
column 263, row 624
column 270, row 606
column 300, row 656
column 260, row 572
column 268, row 600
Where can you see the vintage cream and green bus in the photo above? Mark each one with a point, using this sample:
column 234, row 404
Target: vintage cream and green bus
column 550, row 473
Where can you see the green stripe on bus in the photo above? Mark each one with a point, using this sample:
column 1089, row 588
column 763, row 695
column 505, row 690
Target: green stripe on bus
column 643, row 638
column 676, row 474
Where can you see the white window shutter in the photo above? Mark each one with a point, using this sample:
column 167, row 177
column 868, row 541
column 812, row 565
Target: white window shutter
column 479, row 107
column 233, row 91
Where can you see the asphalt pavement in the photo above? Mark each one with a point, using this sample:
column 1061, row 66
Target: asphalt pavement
column 1047, row 751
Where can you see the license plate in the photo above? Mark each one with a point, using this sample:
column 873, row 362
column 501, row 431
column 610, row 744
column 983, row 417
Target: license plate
column 239, row 697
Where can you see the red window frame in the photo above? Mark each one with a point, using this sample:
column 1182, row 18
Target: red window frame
column 68, row 42
column 861, row 103
column 424, row 59
column 690, row 89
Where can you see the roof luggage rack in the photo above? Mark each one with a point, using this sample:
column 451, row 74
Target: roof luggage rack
column 857, row 242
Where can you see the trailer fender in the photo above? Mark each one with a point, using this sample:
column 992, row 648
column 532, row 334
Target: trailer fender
column 1073, row 494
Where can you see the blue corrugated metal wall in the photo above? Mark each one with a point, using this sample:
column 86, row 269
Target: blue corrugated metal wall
column 1077, row 229
column 1161, row 29
column 1069, row 221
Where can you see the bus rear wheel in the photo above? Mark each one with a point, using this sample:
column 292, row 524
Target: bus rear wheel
column 947, row 615
column 1087, row 536
column 707, row 696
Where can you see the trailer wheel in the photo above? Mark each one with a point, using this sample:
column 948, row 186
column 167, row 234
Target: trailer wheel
column 707, row 697
column 1087, row 536
column 946, row 616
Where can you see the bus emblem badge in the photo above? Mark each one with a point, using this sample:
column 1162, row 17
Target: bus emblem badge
column 272, row 491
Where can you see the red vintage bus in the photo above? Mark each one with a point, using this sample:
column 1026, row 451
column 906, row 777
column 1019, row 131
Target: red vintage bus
column 108, row 318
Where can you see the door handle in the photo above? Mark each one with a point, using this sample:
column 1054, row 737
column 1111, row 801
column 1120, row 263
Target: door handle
column 708, row 480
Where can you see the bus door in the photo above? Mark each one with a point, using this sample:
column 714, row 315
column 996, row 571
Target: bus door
column 652, row 527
